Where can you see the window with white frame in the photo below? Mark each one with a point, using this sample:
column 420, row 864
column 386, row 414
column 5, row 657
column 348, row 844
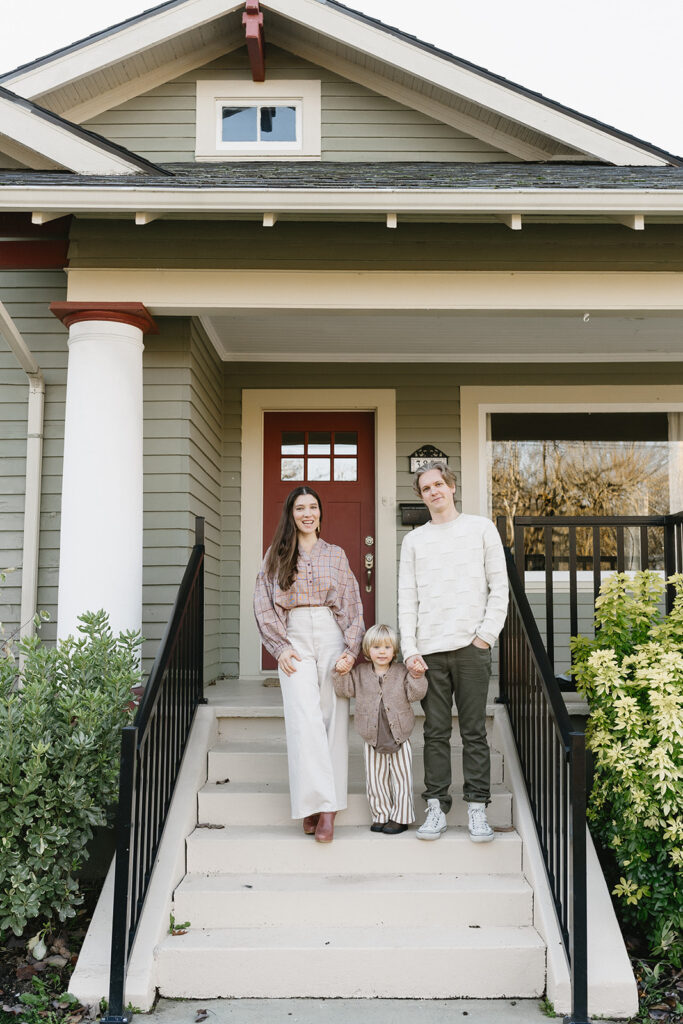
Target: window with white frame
column 252, row 120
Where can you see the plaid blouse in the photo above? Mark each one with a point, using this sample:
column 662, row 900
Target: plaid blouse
column 323, row 578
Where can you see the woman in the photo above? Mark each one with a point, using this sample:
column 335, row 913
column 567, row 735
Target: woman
column 309, row 614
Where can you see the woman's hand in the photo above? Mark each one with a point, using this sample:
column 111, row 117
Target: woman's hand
column 286, row 661
column 478, row 642
column 416, row 665
column 345, row 664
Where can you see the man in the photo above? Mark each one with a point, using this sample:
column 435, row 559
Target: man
column 452, row 601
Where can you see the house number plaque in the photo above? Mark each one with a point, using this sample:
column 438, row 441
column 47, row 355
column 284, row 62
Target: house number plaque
column 425, row 457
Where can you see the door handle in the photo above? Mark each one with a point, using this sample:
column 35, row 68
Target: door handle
column 369, row 565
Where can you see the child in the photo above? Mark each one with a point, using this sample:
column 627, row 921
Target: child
column 385, row 719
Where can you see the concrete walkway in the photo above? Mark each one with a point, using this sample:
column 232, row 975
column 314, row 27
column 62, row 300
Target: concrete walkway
column 349, row 1011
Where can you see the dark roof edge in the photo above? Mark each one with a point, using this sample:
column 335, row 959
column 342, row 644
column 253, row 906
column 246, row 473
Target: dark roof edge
column 83, row 133
column 467, row 65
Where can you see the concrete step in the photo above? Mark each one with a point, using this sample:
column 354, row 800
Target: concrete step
column 261, row 849
column 244, row 803
column 258, row 900
column 327, row 961
column 266, row 761
column 269, row 724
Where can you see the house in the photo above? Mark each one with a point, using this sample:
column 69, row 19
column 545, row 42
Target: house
column 245, row 245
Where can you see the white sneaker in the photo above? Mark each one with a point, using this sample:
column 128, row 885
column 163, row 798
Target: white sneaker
column 434, row 823
column 479, row 828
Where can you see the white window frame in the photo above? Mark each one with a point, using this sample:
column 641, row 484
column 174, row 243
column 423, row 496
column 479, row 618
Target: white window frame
column 304, row 95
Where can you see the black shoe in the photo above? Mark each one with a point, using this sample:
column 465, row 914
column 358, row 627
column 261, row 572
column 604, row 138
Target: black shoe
column 392, row 828
column 378, row 826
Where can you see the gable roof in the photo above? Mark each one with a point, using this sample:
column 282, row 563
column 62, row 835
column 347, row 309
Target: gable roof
column 40, row 131
column 353, row 44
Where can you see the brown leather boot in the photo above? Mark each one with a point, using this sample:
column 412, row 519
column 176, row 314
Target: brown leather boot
column 324, row 833
column 310, row 823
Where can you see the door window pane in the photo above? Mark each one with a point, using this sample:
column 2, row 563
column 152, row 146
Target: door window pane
column 278, row 124
column 319, row 469
column 345, row 469
column 319, row 443
column 239, row 124
column 291, row 469
column 345, row 442
column 292, row 442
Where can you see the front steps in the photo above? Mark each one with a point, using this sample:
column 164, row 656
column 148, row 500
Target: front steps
column 274, row 914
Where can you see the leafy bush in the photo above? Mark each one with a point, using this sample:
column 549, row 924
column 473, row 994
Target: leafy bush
column 60, row 723
column 632, row 677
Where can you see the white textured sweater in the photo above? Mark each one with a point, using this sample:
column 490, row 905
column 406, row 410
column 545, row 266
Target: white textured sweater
column 452, row 586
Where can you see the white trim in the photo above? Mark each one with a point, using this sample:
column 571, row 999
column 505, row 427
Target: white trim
column 416, row 202
column 176, row 292
column 304, row 95
column 603, row 356
column 370, row 42
column 254, row 404
column 477, row 402
column 55, row 142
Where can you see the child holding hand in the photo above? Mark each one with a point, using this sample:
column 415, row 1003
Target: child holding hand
column 383, row 690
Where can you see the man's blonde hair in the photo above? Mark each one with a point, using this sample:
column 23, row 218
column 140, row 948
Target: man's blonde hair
column 380, row 634
column 442, row 468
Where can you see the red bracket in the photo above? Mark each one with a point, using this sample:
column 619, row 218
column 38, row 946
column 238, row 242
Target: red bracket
column 252, row 19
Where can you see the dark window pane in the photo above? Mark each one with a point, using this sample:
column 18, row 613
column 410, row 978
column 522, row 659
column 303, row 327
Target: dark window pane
column 292, row 442
column 319, row 442
column 239, row 124
column 579, row 426
column 345, row 442
column 278, row 124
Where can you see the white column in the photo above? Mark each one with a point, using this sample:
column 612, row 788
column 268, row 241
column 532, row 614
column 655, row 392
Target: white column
column 100, row 562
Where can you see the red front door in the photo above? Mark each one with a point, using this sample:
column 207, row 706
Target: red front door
column 334, row 453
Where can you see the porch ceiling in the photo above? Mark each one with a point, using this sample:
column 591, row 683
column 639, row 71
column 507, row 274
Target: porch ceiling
column 446, row 336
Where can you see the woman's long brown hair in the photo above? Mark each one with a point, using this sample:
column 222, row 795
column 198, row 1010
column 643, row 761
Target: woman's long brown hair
column 284, row 552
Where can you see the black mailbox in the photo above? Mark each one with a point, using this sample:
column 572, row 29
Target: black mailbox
column 414, row 513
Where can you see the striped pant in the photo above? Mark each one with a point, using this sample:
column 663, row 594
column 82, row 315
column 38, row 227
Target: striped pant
column 389, row 784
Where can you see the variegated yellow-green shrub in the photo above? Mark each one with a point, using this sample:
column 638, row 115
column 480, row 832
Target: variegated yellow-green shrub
column 632, row 677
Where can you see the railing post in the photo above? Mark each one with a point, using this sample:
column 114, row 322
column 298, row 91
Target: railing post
column 119, row 938
column 199, row 540
column 578, row 931
column 669, row 559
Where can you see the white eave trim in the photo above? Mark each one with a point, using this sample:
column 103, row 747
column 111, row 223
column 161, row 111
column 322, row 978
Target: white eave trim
column 345, row 202
column 365, row 38
column 66, row 148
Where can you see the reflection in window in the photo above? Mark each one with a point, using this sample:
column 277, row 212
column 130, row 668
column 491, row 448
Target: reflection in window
column 318, row 469
column 292, row 469
column 345, row 469
column 319, row 442
column 239, row 124
column 292, row 442
column 278, row 124
column 345, row 442
column 258, row 124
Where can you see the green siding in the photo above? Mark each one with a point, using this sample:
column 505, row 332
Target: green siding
column 182, row 451
column 366, row 246
column 357, row 124
column 27, row 296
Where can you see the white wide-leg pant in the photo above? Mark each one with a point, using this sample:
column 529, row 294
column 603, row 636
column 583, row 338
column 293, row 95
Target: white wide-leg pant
column 389, row 784
column 316, row 720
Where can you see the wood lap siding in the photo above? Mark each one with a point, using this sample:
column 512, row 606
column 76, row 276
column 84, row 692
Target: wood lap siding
column 182, row 449
column 27, row 296
column 357, row 124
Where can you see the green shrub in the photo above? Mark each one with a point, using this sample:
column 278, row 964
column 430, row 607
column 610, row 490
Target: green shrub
column 632, row 677
column 59, row 752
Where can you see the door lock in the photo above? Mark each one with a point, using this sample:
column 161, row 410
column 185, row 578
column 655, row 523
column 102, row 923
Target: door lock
column 369, row 565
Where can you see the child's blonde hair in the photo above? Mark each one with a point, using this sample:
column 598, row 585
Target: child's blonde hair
column 379, row 634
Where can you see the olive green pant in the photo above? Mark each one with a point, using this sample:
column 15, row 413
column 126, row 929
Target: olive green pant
column 462, row 675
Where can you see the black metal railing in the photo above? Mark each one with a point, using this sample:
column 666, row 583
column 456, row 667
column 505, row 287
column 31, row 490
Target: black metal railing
column 151, row 752
column 607, row 543
column 552, row 755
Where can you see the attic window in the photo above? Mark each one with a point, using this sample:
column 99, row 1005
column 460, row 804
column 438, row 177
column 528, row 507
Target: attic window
column 252, row 120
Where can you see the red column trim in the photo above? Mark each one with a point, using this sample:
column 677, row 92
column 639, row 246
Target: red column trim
column 133, row 313
column 252, row 19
